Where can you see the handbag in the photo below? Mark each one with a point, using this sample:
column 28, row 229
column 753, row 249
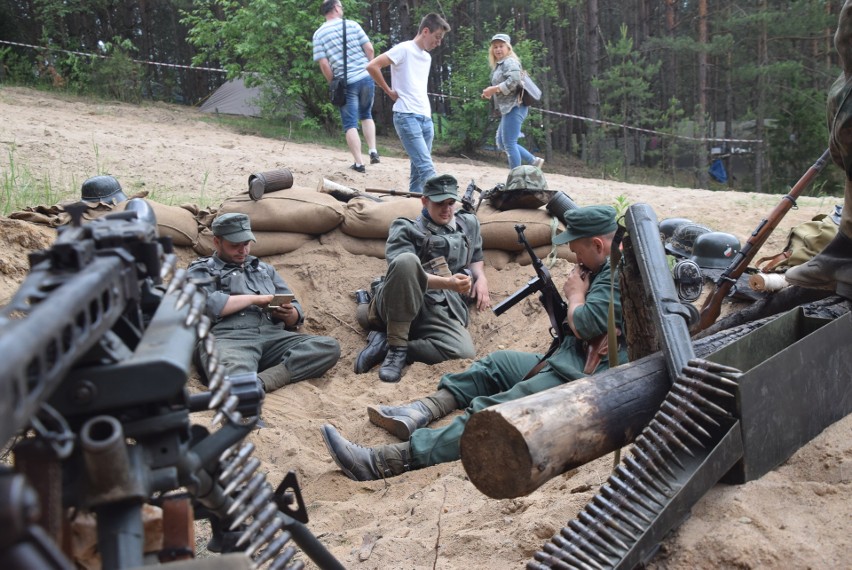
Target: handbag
column 337, row 87
column 337, row 91
column 531, row 93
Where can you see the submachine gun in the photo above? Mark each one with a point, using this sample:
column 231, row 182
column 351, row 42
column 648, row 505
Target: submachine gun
column 95, row 408
column 549, row 295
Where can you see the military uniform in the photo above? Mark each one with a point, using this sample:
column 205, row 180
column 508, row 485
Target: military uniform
column 498, row 377
column 250, row 340
column 831, row 269
column 431, row 322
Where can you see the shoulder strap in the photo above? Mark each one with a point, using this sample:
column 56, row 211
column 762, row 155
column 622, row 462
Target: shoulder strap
column 345, row 50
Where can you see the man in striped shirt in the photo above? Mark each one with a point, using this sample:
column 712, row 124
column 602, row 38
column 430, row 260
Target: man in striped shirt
column 328, row 53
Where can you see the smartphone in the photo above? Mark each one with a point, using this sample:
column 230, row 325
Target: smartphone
column 279, row 300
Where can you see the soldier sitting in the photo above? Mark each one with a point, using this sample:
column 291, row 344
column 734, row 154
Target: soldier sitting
column 501, row 376
column 250, row 337
column 831, row 269
column 419, row 311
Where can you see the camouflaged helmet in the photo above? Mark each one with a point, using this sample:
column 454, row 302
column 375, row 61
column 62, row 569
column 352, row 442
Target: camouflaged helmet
column 669, row 225
column 102, row 189
column 525, row 188
column 683, row 238
column 715, row 250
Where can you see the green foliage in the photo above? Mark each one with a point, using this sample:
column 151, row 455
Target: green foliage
column 15, row 67
column 117, row 74
column 270, row 41
column 20, row 188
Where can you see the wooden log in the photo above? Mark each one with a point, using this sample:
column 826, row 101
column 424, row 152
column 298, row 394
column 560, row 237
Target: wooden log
column 511, row 449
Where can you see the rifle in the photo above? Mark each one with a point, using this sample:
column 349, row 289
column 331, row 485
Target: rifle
column 467, row 198
column 713, row 304
column 549, row 295
column 395, row 192
column 94, row 405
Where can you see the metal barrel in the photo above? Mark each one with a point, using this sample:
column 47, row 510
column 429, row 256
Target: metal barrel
column 262, row 182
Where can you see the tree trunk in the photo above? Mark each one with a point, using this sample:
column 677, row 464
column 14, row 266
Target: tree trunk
column 593, row 101
column 511, row 449
column 701, row 110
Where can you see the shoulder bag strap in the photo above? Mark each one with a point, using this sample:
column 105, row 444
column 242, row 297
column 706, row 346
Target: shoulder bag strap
column 345, row 49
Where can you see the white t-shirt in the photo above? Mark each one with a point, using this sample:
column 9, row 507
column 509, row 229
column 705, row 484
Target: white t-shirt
column 410, row 78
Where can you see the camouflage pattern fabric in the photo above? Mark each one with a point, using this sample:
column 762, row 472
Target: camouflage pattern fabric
column 525, row 188
column 839, row 110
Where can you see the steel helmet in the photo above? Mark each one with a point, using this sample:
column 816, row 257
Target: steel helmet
column 683, row 238
column 669, row 225
column 103, row 188
column 715, row 250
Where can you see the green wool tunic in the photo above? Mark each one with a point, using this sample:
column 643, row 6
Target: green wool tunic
column 498, row 377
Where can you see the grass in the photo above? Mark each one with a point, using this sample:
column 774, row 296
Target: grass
column 20, row 188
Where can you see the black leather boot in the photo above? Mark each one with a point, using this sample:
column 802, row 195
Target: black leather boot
column 373, row 353
column 366, row 463
column 829, row 269
column 401, row 421
column 391, row 370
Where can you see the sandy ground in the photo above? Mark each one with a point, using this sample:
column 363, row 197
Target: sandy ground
column 798, row 516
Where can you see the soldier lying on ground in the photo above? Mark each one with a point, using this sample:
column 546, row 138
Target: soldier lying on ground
column 832, row 267
column 251, row 336
column 502, row 376
column 419, row 314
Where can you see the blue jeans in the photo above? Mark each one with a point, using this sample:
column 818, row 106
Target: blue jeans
column 508, row 133
column 416, row 133
column 359, row 103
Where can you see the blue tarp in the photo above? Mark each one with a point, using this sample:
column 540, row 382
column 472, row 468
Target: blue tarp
column 717, row 171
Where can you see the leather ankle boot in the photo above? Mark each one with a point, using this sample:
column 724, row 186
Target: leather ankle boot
column 366, row 463
column 829, row 269
column 391, row 370
column 401, row 421
column 373, row 353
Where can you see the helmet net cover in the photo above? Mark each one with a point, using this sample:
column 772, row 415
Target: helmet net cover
column 683, row 239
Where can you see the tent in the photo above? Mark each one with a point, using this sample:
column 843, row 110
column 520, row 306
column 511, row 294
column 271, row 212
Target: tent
column 234, row 98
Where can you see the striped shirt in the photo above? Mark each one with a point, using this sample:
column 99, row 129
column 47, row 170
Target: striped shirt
column 328, row 44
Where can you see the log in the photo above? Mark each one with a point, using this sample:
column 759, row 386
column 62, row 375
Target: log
column 512, row 449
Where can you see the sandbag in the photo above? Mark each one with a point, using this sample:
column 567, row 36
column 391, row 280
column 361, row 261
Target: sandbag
column 175, row 222
column 374, row 247
column 543, row 252
column 293, row 210
column 497, row 258
column 498, row 228
column 268, row 243
column 365, row 218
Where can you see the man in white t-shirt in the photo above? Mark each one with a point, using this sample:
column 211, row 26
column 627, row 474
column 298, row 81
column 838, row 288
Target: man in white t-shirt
column 412, row 114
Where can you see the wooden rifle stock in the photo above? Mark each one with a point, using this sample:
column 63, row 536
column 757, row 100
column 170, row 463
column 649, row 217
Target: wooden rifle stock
column 713, row 304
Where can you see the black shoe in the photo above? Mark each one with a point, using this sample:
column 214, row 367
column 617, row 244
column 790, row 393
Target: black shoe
column 373, row 353
column 357, row 462
column 374, row 158
column 391, row 370
column 401, row 421
column 359, row 168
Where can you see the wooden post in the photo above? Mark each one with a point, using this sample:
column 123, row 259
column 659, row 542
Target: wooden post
column 511, row 449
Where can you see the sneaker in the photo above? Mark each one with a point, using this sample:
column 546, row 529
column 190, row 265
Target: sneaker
column 538, row 162
column 374, row 158
column 359, row 168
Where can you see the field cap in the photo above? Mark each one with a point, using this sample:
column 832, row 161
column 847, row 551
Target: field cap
column 440, row 188
column 235, row 228
column 501, row 38
column 589, row 221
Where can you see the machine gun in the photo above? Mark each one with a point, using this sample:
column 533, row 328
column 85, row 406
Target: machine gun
column 95, row 408
column 549, row 295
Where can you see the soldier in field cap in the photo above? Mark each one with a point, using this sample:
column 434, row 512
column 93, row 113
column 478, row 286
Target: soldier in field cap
column 251, row 336
column 504, row 375
column 420, row 311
